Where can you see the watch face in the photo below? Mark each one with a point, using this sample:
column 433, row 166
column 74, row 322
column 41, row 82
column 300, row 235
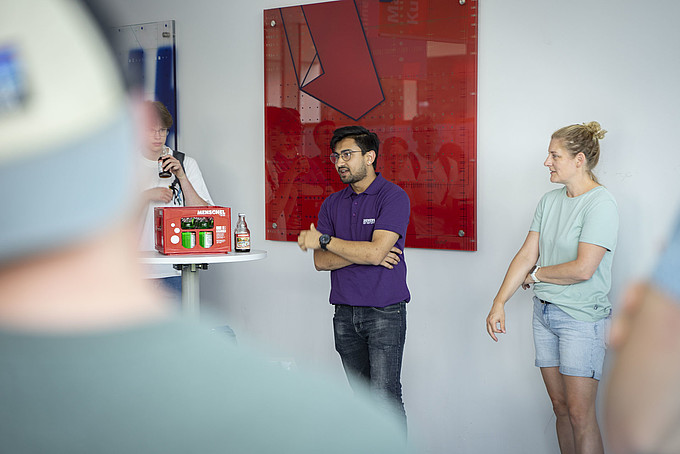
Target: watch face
column 324, row 240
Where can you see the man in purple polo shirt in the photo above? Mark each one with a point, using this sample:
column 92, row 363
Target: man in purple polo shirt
column 360, row 240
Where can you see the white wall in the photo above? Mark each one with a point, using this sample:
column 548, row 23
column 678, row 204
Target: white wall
column 542, row 65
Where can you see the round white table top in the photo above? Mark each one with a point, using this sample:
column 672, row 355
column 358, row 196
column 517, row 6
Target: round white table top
column 156, row 258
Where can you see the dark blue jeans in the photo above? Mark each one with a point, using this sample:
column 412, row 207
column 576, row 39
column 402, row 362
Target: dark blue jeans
column 370, row 341
column 171, row 287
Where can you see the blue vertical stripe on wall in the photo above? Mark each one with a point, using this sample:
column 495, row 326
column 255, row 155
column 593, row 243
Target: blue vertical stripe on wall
column 164, row 89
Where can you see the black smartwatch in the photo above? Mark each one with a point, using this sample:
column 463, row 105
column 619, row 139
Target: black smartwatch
column 324, row 240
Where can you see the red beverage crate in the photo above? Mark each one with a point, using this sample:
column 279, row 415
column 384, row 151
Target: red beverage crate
column 193, row 230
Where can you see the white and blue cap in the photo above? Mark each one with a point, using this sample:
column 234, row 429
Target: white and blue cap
column 66, row 135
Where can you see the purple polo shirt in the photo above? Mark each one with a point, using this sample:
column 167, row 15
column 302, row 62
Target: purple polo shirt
column 350, row 216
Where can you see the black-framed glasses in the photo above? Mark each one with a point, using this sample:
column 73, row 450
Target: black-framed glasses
column 346, row 155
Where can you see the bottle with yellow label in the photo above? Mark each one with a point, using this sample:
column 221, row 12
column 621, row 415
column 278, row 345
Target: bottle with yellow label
column 241, row 235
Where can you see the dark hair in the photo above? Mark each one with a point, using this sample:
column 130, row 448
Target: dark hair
column 163, row 113
column 365, row 139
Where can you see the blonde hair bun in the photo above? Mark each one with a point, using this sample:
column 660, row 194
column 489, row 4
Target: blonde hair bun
column 595, row 129
column 583, row 138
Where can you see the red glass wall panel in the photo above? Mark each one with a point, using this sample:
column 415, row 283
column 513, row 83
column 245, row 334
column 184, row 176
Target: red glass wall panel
column 405, row 69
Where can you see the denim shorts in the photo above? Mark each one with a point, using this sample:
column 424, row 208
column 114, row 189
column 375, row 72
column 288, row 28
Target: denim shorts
column 576, row 347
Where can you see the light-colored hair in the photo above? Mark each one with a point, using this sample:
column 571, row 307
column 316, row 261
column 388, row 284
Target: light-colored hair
column 162, row 112
column 584, row 138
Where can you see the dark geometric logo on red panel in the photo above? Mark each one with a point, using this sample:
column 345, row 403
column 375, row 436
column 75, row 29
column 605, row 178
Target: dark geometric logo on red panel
column 348, row 81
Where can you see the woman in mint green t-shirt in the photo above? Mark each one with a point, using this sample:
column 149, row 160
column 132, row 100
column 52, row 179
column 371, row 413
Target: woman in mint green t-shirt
column 567, row 257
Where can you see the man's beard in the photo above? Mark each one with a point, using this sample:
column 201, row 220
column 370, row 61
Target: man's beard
column 350, row 178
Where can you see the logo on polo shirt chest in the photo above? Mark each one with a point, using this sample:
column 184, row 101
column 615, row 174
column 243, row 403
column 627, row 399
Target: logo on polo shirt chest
column 369, row 221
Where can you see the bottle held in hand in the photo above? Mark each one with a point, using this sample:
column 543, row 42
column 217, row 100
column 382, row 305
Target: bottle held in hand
column 161, row 161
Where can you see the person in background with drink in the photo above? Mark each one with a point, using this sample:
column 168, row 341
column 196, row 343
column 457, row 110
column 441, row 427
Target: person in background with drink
column 643, row 400
column 91, row 359
column 360, row 240
column 165, row 182
column 567, row 257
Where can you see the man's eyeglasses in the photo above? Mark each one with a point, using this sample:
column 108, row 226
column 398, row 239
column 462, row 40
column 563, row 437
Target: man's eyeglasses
column 346, row 155
column 161, row 132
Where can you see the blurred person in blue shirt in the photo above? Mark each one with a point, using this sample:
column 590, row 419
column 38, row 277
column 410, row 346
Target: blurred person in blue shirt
column 643, row 395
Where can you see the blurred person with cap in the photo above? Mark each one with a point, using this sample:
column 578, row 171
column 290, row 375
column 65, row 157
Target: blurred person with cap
column 90, row 359
column 643, row 399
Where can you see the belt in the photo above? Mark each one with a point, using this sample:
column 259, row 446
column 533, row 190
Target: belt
column 544, row 302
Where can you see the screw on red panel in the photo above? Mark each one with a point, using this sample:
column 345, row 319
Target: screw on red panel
column 462, row 2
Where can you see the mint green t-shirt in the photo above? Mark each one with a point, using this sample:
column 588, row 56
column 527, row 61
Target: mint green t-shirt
column 564, row 222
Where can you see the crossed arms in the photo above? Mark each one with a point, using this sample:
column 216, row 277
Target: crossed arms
column 340, row 253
